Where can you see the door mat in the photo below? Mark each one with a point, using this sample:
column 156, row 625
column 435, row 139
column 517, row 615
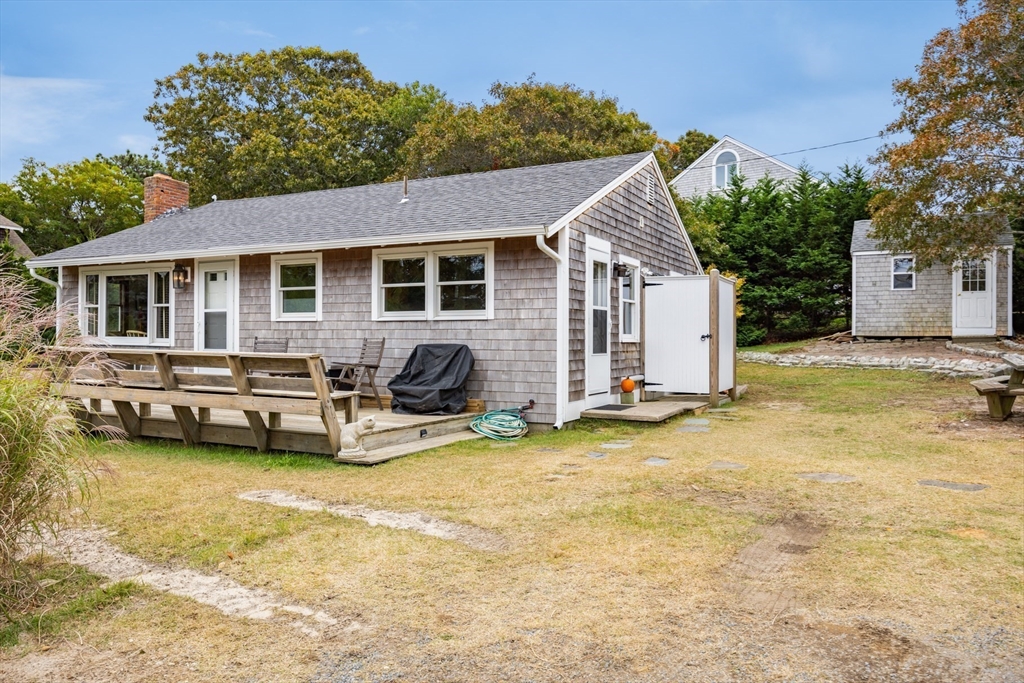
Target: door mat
column 615, row 406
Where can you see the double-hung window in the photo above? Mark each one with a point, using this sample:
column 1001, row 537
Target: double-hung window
column 629, row 301
column 127, row 306
column 903, row 272
column 432, row 284
column 296, row 284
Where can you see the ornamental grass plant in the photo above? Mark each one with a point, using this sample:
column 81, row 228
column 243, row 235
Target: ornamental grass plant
column 45, row 472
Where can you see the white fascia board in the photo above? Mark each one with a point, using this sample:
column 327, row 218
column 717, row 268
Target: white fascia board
column 424, row 238
column 733, row 141
column 597, row 196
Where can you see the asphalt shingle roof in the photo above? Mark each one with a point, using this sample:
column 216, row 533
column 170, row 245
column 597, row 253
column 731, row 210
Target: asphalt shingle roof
column 861, row 241
column 474, row 202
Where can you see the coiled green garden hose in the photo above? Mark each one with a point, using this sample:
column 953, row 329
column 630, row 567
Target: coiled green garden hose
column 501, row 425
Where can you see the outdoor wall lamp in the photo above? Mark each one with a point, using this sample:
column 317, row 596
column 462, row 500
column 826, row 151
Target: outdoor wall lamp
column 620, row 269
column 180, row 276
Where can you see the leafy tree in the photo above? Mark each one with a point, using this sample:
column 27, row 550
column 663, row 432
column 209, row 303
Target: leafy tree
column 288, row 120
column 526, row 124
column 790, row 244
column 60, row 206
column 137, row 166
column 965, row 113
column 687, row 149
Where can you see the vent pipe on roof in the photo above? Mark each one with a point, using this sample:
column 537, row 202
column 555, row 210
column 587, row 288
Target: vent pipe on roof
column 405, row 189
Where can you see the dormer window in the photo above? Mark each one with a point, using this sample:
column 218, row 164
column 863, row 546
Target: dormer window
column 725, row 168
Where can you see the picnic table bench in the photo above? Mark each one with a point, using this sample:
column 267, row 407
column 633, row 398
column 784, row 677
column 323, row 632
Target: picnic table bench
column 134, row 380
column 1001, row 392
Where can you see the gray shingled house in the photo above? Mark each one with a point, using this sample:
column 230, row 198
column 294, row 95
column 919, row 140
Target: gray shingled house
column 535, row 269
column 893, row 299
column 713, row 171
column 9, row 233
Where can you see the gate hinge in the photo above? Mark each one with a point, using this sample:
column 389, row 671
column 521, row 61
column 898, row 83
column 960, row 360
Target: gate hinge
column 652, row 384
column 653, row 284
column 705, row 337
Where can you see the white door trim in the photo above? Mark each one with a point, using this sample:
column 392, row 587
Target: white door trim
column 596, row 395
column 198, row 302
column 991, row 282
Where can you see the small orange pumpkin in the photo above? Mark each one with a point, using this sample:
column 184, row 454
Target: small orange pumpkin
column 627, row 385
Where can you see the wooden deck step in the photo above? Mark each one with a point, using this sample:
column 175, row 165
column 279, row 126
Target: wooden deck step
column 647, row 411
column 379, row 455
column 394, row 436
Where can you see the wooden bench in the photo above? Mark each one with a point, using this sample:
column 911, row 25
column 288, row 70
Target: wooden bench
column 192, row 383
column 1001, row 392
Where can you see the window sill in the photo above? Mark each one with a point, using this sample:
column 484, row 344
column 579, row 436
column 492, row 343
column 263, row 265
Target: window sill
column 296, row 319
column 630, row 340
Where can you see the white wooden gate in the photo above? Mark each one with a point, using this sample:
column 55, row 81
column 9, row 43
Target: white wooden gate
column 690, row 334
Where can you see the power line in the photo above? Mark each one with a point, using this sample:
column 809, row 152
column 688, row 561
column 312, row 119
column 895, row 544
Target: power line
column 783, row 154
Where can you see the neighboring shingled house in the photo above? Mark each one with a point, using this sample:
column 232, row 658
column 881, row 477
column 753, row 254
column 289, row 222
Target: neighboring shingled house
column 892, row 299
column 535, row 269
column 9, row 233
column 713, row 170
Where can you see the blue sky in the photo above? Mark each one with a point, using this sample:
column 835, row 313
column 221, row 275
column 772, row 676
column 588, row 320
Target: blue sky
column 76, row 77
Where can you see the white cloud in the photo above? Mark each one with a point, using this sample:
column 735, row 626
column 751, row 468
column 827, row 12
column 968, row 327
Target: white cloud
column 39, row 110
column 361, row 31
column 244, row 28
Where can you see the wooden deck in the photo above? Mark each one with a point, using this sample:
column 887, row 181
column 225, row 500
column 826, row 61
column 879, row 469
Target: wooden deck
column 647, row 411
column 394, row 436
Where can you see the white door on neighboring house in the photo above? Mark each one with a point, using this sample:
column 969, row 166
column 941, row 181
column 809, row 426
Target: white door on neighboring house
column 974, row 300
column 598, row 325
column 216, row 318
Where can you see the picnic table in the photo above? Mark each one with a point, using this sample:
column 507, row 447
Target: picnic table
column 1001, row 392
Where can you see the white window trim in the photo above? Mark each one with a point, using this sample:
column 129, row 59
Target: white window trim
column 634, row 265
column 276, row 314
column 147, row 269
column 432, row 300
column 714, row 168
column 892, row 273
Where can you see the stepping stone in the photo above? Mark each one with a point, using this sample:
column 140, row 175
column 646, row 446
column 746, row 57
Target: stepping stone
column 548, row 450
column 618, row 444
column 656, row 461
column 694, row 428
column 723, row 417
column 953, row 485
column 594, row 455
column 696, row 421
column 726, row 465
column 827, row 477
column 722, row 410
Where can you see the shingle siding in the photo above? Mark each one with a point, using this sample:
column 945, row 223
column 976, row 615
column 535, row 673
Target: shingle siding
column 926, row 311
column 515, row 352
column 659, row 245
column 697, row 179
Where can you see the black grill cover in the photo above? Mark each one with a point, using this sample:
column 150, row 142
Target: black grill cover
column 433, row 381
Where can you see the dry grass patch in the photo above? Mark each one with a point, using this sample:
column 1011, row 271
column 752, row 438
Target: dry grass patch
column 613, row 570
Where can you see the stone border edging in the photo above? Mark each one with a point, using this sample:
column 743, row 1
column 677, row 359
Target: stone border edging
column 953, row 368
column 970, row 351
column 1010, row 344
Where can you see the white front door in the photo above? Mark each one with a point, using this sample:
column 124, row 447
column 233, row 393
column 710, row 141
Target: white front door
column 974, row 301
column 216, row 319
column 598, row 325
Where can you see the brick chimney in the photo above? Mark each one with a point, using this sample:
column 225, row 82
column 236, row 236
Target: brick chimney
column 163, row 193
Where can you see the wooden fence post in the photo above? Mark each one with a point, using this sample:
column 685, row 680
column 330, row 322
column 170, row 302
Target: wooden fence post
column 713, row 282
column 734, row 393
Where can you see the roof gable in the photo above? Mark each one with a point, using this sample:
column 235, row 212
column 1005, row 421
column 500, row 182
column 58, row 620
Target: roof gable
column 706, row 159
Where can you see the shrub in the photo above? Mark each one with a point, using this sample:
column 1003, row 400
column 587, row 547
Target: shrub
column 44, row 471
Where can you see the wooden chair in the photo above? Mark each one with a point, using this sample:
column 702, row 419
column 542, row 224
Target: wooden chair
column 269, row 345
column 363, row 371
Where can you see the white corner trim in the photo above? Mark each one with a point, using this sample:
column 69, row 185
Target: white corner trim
column 853, row 298
column 598, row 196
column 276, row 314
column 1009, row 291
column 561, row 259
